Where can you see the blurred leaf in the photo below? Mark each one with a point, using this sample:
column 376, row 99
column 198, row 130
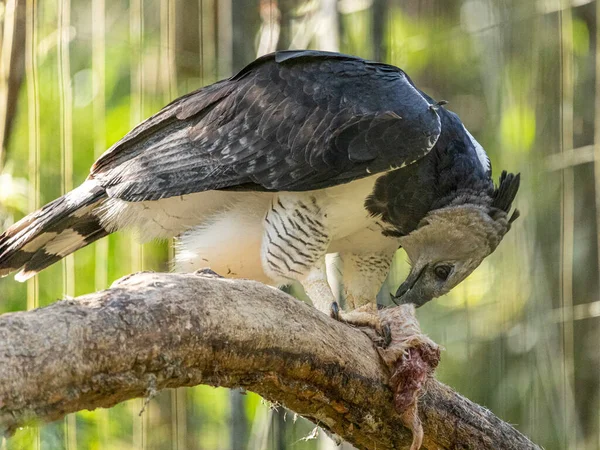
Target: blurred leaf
column 517, row 129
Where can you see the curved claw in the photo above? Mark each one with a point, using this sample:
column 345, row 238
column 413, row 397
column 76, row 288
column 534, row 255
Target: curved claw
column 335, row 311
column 387, row 335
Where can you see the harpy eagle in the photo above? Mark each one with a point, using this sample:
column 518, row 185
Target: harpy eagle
column 300, row 154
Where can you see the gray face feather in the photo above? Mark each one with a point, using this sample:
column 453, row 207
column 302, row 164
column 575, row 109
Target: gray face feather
column 449, row 244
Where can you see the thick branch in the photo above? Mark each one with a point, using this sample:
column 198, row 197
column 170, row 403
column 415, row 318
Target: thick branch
column 155, row 331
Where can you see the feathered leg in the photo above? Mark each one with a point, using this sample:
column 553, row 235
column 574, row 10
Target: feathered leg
column 363, row 275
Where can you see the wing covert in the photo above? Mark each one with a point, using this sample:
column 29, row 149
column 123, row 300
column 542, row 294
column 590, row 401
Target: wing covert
column 290, row 121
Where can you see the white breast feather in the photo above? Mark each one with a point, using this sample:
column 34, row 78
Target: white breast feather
column 167, row 217
column 228, row 242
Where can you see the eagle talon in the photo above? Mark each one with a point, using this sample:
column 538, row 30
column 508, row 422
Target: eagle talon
column 387, row 335
column 335, row 311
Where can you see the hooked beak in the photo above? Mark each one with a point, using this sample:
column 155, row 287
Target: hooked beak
column 411, row 292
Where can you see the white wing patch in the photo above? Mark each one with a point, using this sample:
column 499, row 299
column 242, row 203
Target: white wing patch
column 37, row 243
column 65, row 243
column 481, row 154
column 167, row 217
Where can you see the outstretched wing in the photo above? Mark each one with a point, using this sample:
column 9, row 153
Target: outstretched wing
column 293, row 121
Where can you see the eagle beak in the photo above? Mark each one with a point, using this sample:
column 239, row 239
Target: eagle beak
column 411, row 291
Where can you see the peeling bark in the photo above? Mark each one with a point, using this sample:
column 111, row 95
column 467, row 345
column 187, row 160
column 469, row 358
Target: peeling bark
column 156, row 331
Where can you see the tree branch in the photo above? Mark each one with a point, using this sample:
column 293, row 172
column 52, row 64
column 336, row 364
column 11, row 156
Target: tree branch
column 156, row 331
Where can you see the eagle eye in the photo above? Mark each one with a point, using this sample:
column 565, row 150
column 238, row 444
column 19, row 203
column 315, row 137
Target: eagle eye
column 442, row 271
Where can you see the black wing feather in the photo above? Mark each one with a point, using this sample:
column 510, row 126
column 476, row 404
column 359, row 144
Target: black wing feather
column 294, row 121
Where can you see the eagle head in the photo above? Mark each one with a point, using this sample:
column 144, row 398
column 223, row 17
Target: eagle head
column 450, row 243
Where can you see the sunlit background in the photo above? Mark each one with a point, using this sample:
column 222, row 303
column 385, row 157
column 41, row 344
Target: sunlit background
column 522, row 334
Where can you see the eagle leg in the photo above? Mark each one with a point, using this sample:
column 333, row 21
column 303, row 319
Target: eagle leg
column 317, row 288
column 367, row 319
column 364, row 316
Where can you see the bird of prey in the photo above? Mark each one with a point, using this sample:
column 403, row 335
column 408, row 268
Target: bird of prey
column 300, row 154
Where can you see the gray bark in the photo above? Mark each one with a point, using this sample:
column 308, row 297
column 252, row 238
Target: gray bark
column 156, row 331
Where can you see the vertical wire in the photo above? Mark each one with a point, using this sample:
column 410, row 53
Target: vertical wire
column 99, row 115
column 207, row 40
column 502, row 356
column 172, row 47
column 201, row 38
column 597, row 167
column 99, row 118
column 179, row 397
column 530, row 408
column 567, row 223
column 167, row 39
column 178, row 424
column 66, row 152
column 33, row 109
column 168, row 79
column 136, row 32
column 33, row 120
column 168, row 87
column 169, row 91
column 327, row 33
column 224, row 38
column 66, row 119
column 10, row 17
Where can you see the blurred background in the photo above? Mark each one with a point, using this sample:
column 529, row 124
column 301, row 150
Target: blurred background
column 522, row 334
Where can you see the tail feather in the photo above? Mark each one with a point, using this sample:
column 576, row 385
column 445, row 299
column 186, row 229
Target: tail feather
column 87, row 231
column 48, row 235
